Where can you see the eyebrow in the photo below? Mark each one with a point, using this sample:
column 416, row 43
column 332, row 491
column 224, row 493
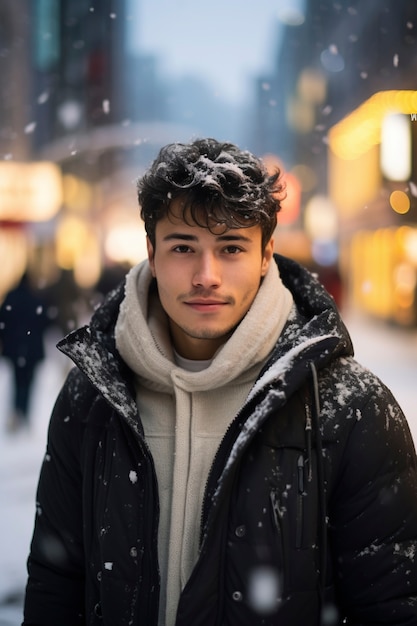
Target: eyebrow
column 189, row 237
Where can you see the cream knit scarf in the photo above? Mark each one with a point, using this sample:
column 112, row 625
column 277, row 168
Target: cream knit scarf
column 185, row 414
column 143, row 339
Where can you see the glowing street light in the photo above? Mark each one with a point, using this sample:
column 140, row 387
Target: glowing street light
column 29, row 192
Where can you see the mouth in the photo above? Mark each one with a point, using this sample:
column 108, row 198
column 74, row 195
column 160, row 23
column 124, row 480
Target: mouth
column 206, row 306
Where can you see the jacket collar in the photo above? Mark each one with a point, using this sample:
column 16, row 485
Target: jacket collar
column 313, row 336
column 92, row 349
column 314, row 332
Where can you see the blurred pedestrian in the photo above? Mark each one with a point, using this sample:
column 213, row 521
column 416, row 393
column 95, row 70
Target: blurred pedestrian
column 23, row 322
column 217, row 456
column 63, row 302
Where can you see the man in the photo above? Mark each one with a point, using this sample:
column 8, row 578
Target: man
column 217, row 457
column 23, row 323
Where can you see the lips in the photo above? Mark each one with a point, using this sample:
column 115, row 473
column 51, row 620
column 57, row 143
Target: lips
column 206, row 306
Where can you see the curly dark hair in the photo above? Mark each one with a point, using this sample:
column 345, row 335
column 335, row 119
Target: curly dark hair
column 218, row 183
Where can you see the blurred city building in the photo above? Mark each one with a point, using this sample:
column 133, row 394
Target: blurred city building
column 83, row 113
column 14, row 142
column 79, row 98
column 339, row 112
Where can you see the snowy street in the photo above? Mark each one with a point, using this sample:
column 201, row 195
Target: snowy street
column 389, row 352
column 21, row 455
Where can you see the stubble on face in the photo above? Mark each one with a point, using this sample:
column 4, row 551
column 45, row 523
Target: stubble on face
column 206, row 281
column 207, row 339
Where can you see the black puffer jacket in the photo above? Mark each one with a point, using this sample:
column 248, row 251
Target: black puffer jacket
column 311, row 503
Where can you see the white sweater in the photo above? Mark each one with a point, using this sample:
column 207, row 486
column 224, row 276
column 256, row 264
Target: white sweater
column 186, row 413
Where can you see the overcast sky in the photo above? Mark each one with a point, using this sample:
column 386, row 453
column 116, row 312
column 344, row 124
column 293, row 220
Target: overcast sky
column 226, row 42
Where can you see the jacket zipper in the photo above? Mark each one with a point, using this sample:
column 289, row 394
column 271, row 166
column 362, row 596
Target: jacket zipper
column 216, row 461
column 153, row 598
column 220, row 459
column 300, row 500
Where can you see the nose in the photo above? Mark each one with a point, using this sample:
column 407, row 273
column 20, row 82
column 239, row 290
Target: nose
column 207, row 272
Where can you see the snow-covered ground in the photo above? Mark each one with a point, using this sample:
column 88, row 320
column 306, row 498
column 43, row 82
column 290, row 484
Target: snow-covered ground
column 389, row 352
column 21, row 455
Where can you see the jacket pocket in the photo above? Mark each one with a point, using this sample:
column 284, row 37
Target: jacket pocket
column 279, row 516
column 294, row 513
column 288, row 505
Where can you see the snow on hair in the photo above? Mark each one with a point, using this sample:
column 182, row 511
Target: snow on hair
column 218, row 184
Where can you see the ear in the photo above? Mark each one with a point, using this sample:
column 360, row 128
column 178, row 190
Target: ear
column 151, row 255
column 267, row 256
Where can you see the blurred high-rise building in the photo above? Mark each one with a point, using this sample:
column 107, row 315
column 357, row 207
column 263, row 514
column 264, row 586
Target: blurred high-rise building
column 328, row 63
column 14, row 79
column 339, row 110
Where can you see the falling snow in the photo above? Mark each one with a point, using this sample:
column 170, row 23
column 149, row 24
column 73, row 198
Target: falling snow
column 29, row 128
column 22, row 454
column 133, row 477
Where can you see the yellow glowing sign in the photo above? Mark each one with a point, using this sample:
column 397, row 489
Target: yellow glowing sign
column 29, row 192
column 355, row 149
column 383, row 273
column 361, row 129
column 396, row 147
column 355, row 182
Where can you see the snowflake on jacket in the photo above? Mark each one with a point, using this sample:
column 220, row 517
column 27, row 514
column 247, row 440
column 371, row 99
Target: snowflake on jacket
column 310, row 510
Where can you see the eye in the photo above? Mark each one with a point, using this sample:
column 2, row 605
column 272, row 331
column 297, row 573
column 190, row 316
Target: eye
column 232, row 249
column 182, row 249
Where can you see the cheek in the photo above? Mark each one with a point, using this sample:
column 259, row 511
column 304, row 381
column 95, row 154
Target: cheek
column 160, row 268
column 166, row 274
column 249, row 290
column 168, row 282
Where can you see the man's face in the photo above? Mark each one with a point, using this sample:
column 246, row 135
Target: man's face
column 206, row 280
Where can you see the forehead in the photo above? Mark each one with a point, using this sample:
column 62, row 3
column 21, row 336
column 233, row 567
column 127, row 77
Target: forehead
column 184, row 210
column 181, row 222
column 180, row 211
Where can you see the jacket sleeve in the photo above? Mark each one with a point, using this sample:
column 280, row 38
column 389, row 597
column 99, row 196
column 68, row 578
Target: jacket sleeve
column 55, row 587
column 373, row 514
